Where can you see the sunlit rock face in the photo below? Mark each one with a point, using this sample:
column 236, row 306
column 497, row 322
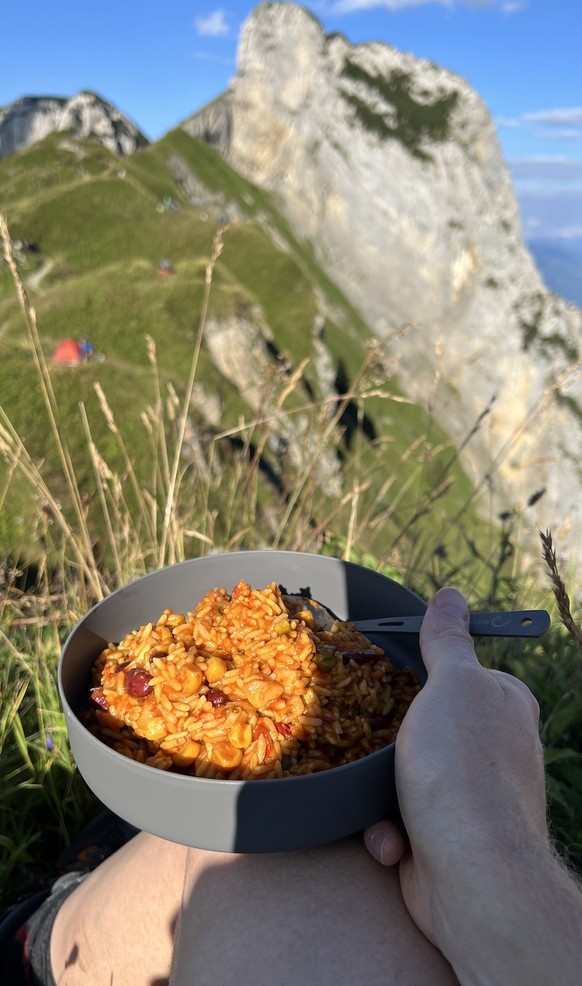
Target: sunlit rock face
column 33, row 118
column 391, row 168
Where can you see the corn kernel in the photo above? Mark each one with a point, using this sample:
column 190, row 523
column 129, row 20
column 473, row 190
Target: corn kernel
column 187, row 754
column 241, row 735
column 225, row 755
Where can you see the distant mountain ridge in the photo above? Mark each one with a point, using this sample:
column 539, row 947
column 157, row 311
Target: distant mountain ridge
column 32, row 118
column 560, row 264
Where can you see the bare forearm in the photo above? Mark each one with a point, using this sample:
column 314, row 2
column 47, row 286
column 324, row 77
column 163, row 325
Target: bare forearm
column 521, row 924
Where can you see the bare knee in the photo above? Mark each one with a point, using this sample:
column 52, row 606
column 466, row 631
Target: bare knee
column 122, row 919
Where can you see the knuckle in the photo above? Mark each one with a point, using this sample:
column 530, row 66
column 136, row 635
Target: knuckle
column 514, row 686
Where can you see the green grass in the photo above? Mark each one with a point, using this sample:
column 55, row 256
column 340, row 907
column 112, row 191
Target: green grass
column 552, row 668
column 119, row 472
column 38, row 171
column 42, row 797
column 44, row 802
column 105, row 236
column 414, row 120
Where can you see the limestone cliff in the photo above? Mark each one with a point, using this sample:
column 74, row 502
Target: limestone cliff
column 32, row 118
column 391, row 168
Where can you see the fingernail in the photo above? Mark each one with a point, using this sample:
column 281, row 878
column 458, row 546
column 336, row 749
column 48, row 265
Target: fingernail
column 451, row 601
column 375, row 842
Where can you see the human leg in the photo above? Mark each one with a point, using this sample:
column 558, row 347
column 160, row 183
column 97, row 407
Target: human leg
column 118, row 926
column 328, row 917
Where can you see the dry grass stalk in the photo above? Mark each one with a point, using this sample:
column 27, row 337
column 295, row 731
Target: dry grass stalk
column 351, row 537
column 80, row 537
column 166, row 552
column 160, row 448
column 12, row 446
column 536, row 411
column 298, row 500
column 558, row 587
column 129, row 469
column 102, row 473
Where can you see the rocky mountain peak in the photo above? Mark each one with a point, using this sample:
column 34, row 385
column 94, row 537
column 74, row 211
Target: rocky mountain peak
column 390, row 166
column 86, row 115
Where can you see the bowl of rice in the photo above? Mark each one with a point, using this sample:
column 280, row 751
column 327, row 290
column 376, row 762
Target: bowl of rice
column 229, row 703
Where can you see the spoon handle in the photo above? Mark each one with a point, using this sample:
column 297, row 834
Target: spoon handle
column 527, row 623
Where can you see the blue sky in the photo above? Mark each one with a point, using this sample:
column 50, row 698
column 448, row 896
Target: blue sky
column 159, row 62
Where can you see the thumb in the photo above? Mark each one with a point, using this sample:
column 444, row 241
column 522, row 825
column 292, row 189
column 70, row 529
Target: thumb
column 445, row 640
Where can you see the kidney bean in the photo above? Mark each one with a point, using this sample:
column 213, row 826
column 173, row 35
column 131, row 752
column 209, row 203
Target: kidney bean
column 216, row 697
column 98, row 698
column 361, row 656
column 137, row 683
column 157, row 653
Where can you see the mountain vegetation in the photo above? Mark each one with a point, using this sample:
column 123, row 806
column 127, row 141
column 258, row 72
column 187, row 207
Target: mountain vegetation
column 253, row 381
column 90, row 231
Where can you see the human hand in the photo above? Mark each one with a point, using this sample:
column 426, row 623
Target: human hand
column 469, row 776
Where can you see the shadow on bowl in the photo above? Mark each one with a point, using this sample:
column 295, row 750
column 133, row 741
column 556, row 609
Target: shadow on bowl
column 238, row 815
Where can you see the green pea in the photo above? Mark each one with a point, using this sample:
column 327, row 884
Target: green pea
column 325, row 657
column 282, row 628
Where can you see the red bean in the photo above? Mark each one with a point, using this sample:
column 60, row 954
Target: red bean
column 361, row 656
column 137, row 683
column 157, row 653
column 216, row 697
column 98, row 698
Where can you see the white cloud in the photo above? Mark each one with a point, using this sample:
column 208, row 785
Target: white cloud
column 208, row 56
column 570, row 232
column 551, row 214
column 212, row 26
column 553, row 124
column 561, row 134
column 549, row 192
column 350, row 6
column 509, row 123
column 552, row 173
column 571, row 116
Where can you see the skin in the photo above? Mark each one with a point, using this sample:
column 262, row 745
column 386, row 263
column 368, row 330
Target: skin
column 118, row 927
column 323, row 917
column 477, row 870
column 471, row 893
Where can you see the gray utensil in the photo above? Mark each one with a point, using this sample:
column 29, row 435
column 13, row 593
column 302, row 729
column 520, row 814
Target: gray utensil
column 528, row 623
column 244, row 816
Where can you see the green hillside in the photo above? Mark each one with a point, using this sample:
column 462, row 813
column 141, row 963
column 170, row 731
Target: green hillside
column 93, row 229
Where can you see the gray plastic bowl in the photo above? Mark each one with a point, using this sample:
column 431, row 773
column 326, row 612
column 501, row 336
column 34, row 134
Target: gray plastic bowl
column 237, row 816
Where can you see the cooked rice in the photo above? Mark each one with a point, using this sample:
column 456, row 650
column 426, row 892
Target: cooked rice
column 248, row 685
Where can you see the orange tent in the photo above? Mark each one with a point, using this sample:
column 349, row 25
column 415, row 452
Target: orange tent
column 68, row 353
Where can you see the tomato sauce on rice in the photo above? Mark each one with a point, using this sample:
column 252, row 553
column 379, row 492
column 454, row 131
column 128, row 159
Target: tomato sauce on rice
column 250, row 685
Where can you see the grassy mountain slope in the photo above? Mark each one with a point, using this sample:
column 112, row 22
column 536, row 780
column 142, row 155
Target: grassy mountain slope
column 99, row 228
